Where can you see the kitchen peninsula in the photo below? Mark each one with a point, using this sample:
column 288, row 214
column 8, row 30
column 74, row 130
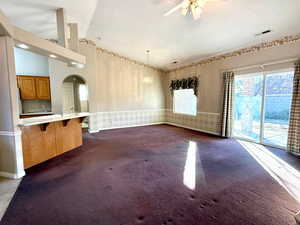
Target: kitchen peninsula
column 49, row 136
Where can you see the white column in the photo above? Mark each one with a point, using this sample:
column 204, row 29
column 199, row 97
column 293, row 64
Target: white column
column 11, row 156
column 74, row 41
column 62, row 27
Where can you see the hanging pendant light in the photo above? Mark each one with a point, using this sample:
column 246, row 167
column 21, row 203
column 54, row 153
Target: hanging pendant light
column 148, row 56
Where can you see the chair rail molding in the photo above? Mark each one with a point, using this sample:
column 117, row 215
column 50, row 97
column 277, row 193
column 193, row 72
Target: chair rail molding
column 10, row 133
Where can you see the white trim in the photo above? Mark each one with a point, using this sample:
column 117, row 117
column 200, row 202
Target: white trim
column 261, row 65
column 210, row 113
column 262, row 113
column 149, row 124
column 50, row 119
column 182, row 126
column 143, row 110
column 93, row 131
column 19, row 156
column 12, row 175
column 126, row 126
column 10, row 134
column 206, row 113
column 184, row 114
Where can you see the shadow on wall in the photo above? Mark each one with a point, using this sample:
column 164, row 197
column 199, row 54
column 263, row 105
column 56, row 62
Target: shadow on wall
column 75, row 95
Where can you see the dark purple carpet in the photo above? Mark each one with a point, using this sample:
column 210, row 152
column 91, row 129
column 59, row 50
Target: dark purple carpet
column 135, row 176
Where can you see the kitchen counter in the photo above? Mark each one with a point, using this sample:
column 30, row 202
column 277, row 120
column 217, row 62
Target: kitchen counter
column 49, row 119
column 46, row 137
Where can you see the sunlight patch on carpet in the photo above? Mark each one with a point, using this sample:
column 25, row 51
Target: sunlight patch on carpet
column 190, row 174
column 287, row 176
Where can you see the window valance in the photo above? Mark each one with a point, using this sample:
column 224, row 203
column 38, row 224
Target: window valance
column 187, row 83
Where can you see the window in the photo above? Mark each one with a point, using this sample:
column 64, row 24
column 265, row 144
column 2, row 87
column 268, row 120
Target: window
column 83, row 92
column 185, row 102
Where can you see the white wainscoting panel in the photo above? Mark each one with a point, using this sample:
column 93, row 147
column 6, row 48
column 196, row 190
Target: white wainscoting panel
column 204, row 121
column 118, row 119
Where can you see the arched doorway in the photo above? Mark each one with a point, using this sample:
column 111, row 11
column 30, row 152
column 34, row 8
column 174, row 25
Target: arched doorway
column 75, row 95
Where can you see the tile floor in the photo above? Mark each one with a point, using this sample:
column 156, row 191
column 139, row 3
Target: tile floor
column 8, row 188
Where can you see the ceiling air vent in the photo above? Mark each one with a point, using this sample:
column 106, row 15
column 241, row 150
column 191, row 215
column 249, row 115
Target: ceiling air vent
column 264, row 32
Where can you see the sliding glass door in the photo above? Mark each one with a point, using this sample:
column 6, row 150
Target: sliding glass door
column 247, row 106
column 261, row 109
column 278, row 98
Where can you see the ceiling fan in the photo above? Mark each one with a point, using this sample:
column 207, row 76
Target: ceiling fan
column 193, row 6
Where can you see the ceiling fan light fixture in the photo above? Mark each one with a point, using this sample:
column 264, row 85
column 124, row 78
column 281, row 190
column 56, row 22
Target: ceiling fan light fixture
column 196, row 11
column 193, row 6
column 184, row 11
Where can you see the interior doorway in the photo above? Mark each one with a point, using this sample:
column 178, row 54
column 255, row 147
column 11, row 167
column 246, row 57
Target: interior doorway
column 69, row 102
column 261, row 108
column 75, row 96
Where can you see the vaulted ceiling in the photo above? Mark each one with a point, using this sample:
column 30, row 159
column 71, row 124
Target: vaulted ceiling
column 131, row 27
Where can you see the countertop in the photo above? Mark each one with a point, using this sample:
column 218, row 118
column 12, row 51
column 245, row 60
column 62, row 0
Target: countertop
column 49, row 119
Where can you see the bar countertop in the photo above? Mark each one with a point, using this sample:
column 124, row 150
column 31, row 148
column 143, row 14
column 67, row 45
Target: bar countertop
column 49, row 119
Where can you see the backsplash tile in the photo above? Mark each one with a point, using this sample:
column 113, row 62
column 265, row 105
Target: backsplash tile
column 32, row 106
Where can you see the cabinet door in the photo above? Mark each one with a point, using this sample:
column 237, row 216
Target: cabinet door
column 27, row 87
column 43, row 88
column 68, row 136
column 38, row 146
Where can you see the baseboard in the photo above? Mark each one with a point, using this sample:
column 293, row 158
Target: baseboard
column 93, row 131
column 12, row 175
column 126, row 126
column 149, row 124
column 190, row 128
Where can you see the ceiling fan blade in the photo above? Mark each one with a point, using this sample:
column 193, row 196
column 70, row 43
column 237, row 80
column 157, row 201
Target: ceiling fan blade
column 182, row 4
column 196, row 12
column 184, row 11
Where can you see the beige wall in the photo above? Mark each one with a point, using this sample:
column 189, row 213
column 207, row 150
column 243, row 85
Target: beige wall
column 121, row 92
column 59, row 71
column 124, row 85
column 210, row 86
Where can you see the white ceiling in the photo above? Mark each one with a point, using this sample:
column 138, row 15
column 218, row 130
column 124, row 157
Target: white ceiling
column 130, row 27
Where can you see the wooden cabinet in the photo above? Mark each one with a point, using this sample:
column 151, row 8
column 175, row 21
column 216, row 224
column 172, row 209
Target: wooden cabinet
column 39, row 145
column 27, row 87
column 43, row 88
column 69, row 136
column 34, row 87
